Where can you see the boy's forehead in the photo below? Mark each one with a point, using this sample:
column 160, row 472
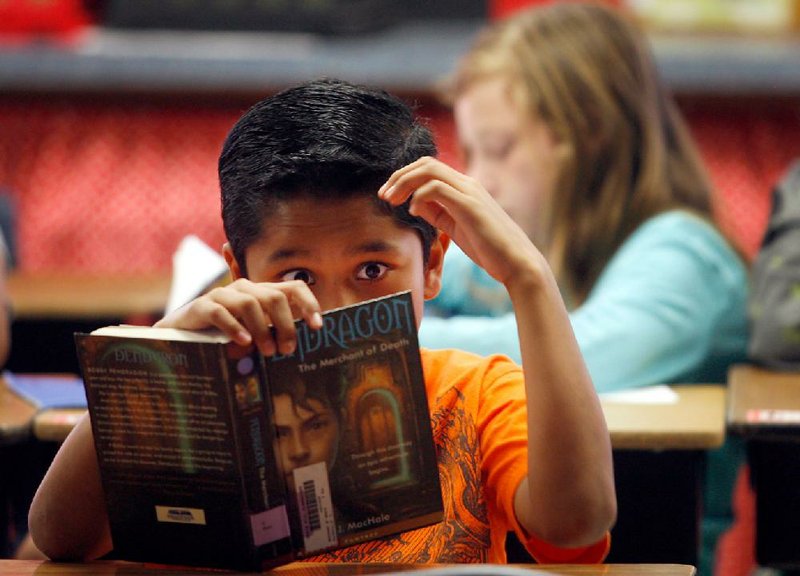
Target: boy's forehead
column 305, row 221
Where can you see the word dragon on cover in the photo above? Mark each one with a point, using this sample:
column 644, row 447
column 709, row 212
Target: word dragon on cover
column 352, row 325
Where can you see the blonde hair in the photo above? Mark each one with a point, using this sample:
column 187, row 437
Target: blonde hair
column 587, row 72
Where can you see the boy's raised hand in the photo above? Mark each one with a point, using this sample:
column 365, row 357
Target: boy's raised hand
column 247, row 312
column 461, row 207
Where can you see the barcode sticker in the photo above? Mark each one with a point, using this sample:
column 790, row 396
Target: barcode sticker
column 314, row 502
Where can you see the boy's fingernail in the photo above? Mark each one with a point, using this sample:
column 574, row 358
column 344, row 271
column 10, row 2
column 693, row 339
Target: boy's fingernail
column 316, row 319
column 268, row 348
column 243, row 337
column 387, row 192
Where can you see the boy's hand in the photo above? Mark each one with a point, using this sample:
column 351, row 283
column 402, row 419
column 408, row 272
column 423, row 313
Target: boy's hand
column 263, row 313
column 462, row 208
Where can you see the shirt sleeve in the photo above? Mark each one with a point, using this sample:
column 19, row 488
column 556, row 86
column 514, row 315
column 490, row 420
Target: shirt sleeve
column 652, row 316
column 478, row 334
column 653, row 313
column 545, row 553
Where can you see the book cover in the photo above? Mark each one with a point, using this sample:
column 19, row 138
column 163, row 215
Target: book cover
column 357, row 383
column 213, row 455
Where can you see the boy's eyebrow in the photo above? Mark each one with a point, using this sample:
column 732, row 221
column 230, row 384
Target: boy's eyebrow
column 370, row 247
column 287, row 253
column 373, row 246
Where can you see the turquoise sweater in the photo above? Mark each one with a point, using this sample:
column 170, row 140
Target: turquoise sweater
column 668, row 308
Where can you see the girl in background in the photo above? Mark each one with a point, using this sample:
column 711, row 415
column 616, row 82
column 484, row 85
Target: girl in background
column 561, row 115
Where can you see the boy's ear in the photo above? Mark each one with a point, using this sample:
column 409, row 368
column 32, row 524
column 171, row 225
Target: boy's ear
column 433, row 271
column 233, row 265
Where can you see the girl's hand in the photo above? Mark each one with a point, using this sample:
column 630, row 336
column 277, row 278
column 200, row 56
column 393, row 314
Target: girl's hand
column 462, row 208
column 248, row 312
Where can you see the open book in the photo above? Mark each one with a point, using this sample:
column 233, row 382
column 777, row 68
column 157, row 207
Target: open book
column 214, row 455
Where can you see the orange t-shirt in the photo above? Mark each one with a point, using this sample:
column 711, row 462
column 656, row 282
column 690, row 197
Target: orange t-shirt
column 478, row 415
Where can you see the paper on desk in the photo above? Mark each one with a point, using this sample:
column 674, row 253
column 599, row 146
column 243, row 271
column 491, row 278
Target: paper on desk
column 195, row 267
column 48, row 391
column 661, row 394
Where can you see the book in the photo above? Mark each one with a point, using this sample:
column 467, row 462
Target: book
column 212, row 454
column 47, row 391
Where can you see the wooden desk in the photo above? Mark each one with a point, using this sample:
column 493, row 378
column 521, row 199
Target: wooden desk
column 659, row 463
column 54, row 425
column 695, row 422
column 23, row 463
column 764, row 404
column 80, row 297
column 16, row 416
column 37, row 568
column 49, row 309
column 659, row 452
column 764, row 407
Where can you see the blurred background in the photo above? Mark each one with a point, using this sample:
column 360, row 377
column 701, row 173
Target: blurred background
column 112, row 112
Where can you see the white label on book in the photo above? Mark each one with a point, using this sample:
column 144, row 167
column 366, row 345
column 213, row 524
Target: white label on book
column 180, row 515
column 315, row 504
column 269, row 525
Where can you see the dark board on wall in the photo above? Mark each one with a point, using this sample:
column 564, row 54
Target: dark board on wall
column 319, row 16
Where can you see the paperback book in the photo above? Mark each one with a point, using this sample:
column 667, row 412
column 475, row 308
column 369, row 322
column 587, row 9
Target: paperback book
column 212, row 454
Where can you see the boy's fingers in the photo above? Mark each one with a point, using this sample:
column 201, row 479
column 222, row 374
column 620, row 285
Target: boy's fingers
column 404, row 181
column 398, row 174
column 279, row 305
column 248, row 312
column 304, row 304
column 244, row 306
column 218, row 315
column 275, row 305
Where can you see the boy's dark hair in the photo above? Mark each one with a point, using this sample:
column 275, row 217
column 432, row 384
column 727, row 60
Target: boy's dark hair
column 327, row 140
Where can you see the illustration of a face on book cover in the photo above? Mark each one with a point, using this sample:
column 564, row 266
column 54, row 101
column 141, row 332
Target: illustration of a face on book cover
column 352, row 428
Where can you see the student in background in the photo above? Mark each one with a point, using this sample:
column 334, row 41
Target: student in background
column 562, row 116
column 317, row 185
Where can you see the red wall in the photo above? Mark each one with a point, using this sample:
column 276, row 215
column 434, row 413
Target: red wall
column 113, row 186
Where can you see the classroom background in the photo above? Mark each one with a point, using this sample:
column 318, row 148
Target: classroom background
column 112, row 112
column 111, row 126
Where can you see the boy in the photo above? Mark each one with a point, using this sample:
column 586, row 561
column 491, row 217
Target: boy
column 329, row 197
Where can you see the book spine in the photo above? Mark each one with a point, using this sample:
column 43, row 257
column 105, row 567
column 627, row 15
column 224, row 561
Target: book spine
column 263, row 487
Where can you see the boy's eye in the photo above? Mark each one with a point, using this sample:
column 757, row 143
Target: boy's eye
column 299, row 274
column 372, row 271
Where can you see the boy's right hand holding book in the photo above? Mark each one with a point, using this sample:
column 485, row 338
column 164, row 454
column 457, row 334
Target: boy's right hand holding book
column 247, row 312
